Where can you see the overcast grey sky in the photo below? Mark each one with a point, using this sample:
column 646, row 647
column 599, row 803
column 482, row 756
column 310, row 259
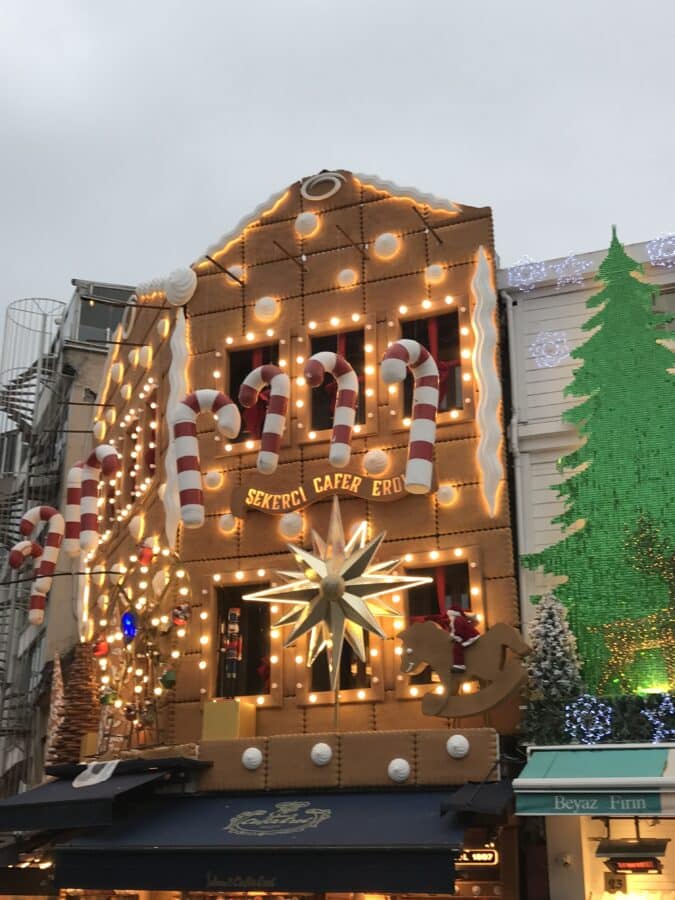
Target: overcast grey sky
column 134, row 132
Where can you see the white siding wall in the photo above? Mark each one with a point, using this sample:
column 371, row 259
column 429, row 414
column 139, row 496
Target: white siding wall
column 538, row 437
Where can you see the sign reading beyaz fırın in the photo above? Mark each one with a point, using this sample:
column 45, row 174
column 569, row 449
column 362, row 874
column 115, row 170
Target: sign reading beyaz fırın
column 587, row 804
column 255, row 494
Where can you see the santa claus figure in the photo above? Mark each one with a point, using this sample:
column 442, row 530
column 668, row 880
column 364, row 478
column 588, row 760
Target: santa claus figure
column 463, row 632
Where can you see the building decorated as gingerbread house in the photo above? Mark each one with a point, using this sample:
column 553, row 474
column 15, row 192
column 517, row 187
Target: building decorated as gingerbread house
column 296, row 556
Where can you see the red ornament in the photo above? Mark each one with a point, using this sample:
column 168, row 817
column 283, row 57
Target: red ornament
column 101, row 648
column 145, row 555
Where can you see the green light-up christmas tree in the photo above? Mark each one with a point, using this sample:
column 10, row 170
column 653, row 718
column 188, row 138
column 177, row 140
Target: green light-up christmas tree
column 620, row 477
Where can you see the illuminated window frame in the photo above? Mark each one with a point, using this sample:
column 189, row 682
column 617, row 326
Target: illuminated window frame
column 469, row 554
column 427, row 309
column 249, row 578
column 306, row 697
column 302, row 392
column 222, row 382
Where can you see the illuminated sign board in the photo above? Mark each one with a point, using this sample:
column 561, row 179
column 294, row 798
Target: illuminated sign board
column 482, row 856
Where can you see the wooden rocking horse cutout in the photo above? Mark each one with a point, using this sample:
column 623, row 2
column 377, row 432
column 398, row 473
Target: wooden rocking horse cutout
column 426, row 643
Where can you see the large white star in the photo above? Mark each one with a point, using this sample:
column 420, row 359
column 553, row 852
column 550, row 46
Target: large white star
column 337, row 593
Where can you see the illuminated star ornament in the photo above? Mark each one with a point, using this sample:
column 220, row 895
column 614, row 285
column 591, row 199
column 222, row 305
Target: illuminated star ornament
column 338, row 593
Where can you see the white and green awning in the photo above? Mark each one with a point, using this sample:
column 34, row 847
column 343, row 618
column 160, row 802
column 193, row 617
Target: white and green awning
column 602, row 780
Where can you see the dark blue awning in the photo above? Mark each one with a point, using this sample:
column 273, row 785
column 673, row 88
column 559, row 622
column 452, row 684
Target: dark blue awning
column 386, row 842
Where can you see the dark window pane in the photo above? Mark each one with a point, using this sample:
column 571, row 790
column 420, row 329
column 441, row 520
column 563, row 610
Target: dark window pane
column 244, row 644
column 440, row 335
column 353, row 672
column 349, row 345
column 242, row 363
column 98, row 320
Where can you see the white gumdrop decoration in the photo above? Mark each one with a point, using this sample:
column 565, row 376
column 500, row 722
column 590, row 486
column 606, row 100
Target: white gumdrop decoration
column 99, row 430
column 252, row 758
column 387, row 245
column 126, row 391
column 457, row 746
column 446, row 495
column 307, row 224
column 102, row 601
column 110, row 415
column 117, row 372
column 321, row 754
column 145, row 356
column 267, row 309
column 213, row 479
column 434, row 273
column 347, row 278
column 238, row 272
column 164, row 327
column 291, row 524
column 136, row 527
column 375, row 462
column 227, row 523
column 398, row 770
column 180, row 286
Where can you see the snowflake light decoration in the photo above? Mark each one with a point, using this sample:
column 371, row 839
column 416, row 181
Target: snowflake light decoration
column 661, row 251
column 588, row 720
column 549, row 349
column 337, row 594
column 571, row 270
column 525, row 274
column 662, row 720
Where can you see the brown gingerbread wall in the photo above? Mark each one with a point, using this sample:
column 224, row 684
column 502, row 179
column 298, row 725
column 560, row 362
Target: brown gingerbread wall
column 307, row 292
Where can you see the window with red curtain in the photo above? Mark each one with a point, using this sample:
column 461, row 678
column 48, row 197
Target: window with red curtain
column 349, row 345
column 440, row 335
column 241, row 364
column 449, row 587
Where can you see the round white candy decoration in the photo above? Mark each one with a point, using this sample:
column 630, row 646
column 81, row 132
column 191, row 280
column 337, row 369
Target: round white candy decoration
column 252, row 758
column 457, row 746
column 307, row 224
column 387, row 245
column 347, row 277
column 117, row 372
column 163, row 327
column 110, row 415
column 180, row 286
column 399, row 770
column 267, row 309
column 321, row 754
column 145, row 356
column 227, row 523
column 99, row 430
column 238, row 272
column 213, row 480
column 102, row 601
column 291, row 524
column 375, row 462
column 126, row 391
column 434, row 273
column 446, row 494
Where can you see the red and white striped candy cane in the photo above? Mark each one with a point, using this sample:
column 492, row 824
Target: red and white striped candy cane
column 22, row 551
column 71, row 542
column 275, row 417
column 103, row 460
column 345, row 402
column 402, row 355
column 50, row 554
column 188, row 466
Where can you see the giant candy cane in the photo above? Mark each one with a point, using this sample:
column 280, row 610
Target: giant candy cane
column 103, row 459
column 401, row 355
column 50, row 554
column 71, row 542
column 345, row 402
column 228, row 419
column 275, row 418
column 21, row 551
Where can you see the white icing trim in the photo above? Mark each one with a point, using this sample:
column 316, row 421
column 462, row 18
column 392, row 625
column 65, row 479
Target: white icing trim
column 180, row 354
column 487, row 381
column 243, row 223
column 392, row 188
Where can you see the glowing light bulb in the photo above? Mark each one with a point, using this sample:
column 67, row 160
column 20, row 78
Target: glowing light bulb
column 361, row 695
column 403, row 309
column 414, row 691
column 250, row 336
column 334, row 321
column 203, row 615
column 202, row 664
column 180, row 632
column 426, row 304
column 203, row 640
column 311, row 325
column 299, row 360
column 312, row 435
column 260, row 573
column 299, row 659
column 398, row 624
column 434, row 554
column 458, row 551
column 175, row 654
column 239, row 575
column 216, row 373
column 312, row 698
